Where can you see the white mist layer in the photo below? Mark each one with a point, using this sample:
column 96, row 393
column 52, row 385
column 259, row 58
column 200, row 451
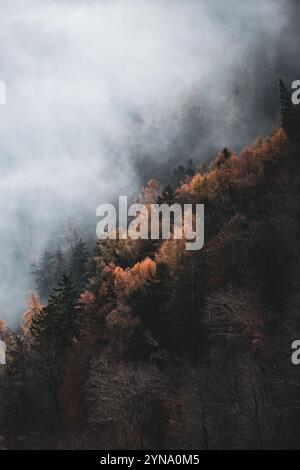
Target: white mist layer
column 78, row 74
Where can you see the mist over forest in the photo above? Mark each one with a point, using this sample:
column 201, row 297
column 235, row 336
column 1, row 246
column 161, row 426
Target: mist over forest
column 102, row 96
column 141, row 342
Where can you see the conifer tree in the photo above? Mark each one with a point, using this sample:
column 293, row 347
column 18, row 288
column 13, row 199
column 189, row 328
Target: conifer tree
column 77, row 265
column 58, row 322
column 53, row 331
column 59, row 267
column 44, row 274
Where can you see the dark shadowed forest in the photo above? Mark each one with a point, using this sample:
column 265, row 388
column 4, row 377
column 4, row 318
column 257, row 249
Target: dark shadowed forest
column 144, row 345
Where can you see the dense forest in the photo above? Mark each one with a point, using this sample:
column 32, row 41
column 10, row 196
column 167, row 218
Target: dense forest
column 140, row 344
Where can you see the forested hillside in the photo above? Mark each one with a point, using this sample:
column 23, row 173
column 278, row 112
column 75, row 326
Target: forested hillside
column 142, row 344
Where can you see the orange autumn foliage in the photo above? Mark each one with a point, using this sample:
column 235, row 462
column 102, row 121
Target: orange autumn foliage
column 236, row 171
column 149, row 193
column 34, row 308
column 87, row 298
column 127, row 280
column 170, row 253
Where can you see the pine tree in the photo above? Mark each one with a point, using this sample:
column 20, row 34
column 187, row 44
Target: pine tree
column 44, row 274
column 58, row 322
column 59, row 266
column 53, row 331
column 223, row 158
column 184, row 173
column 77, row 265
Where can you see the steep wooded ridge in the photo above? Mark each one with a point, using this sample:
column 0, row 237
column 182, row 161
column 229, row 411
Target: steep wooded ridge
column 142, row 344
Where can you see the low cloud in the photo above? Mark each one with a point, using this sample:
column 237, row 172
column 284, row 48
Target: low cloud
column 98, row 93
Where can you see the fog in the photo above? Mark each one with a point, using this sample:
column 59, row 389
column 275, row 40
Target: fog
column 100, row 97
